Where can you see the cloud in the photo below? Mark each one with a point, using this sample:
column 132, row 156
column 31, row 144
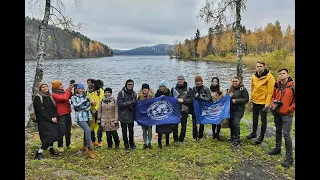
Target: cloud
column 127, row 24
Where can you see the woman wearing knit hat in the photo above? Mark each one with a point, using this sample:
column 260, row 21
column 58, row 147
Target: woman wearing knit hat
column 164, row 128
column 108, row 118
column 201, row 93
column 146, row 93
column 46, row 115
column 81, row 105
column 62, row 99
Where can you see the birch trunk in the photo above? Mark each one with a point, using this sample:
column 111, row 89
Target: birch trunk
column 40, row 48
column 238, row 37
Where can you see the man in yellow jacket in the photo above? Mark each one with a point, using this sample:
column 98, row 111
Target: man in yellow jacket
column 262, row 84
column 95, row 95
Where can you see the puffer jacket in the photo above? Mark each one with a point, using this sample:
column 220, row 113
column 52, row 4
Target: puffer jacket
column 241, row 97
column 286, row 96
column 108, row 115
column 62, row 100
column 262, row 87
column 126, row 109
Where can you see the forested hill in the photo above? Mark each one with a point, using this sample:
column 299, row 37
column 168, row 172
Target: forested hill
column 60, row 43
column 159, row 49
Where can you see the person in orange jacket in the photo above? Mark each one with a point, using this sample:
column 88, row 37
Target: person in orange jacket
column 283, row 107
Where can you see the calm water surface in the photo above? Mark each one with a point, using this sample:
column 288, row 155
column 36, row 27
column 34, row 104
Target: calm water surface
column 114, row 71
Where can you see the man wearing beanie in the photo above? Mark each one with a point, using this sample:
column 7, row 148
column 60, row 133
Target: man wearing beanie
column 182, row 92
column 163, row 128
column 126, row 100
column 146, row 93
column 62, row 99
column 201, row 93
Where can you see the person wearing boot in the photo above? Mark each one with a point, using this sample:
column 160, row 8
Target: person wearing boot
column 182, row 92
column 261, row 91
column 239, row 96
column 282, row 108
column 81, row 105
column 202, row 93
column 216, row 94
column 146, row 93
column 62, row 99
column 163, row 128
column 46, row 118
column 108, row 118
column 126, row 100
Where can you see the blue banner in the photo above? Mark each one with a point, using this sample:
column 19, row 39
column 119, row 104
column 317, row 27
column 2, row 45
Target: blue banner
column 212, row 113
column 159, row 110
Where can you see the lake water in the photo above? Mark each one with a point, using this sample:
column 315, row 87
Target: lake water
column 114, row 71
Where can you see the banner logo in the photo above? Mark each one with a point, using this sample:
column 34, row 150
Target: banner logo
column 159, row 110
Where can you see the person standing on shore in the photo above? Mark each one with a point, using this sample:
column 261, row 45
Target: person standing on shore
column 46, row 115
column 262, row 83
column 126, row 100
column 143, row 94
column 283, row 107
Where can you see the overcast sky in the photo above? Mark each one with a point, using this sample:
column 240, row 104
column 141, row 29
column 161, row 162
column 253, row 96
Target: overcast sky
column 128, row 24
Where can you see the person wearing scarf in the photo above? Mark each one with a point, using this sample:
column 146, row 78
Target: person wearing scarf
column 146, row 93
column 108, row 118
column 46, row 114
column 216, row 94
column 239, row 96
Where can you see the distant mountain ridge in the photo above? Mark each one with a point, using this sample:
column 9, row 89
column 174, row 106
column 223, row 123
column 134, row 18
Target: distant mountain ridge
column 159, row 49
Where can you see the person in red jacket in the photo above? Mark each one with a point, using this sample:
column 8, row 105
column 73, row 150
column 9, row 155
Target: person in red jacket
column 62, row 100
column 283, row 107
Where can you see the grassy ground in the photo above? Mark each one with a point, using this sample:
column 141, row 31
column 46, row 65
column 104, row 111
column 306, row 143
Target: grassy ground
column 207, row 159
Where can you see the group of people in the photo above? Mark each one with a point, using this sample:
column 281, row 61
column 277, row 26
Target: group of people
column 97, row 111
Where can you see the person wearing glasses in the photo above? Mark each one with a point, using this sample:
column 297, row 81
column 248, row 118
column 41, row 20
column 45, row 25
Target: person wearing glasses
column 262, row 83
column 239, row 96
column 126, row 101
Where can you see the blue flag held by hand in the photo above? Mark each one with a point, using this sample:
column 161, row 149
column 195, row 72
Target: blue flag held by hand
column 159, row 110
column 212, row 113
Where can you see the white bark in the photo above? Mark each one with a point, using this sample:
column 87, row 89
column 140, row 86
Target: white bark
column 41, row 48
column 238, row 38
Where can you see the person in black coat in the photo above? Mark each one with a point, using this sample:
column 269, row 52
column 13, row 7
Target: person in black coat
column 239, row 97
column 201, row 93
column 163, row 128
column 46, row 115
column 126, row 101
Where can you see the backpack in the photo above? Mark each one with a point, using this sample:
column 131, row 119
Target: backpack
column 290, row 87
column 134, row 95
column 32, row 113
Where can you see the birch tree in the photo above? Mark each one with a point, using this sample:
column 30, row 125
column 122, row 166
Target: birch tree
column 225, row 13
column 55, row 15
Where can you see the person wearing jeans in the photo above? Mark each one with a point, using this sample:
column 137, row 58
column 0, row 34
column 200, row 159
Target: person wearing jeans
column 283, row 107
column 81, row 105
column 146, row 93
